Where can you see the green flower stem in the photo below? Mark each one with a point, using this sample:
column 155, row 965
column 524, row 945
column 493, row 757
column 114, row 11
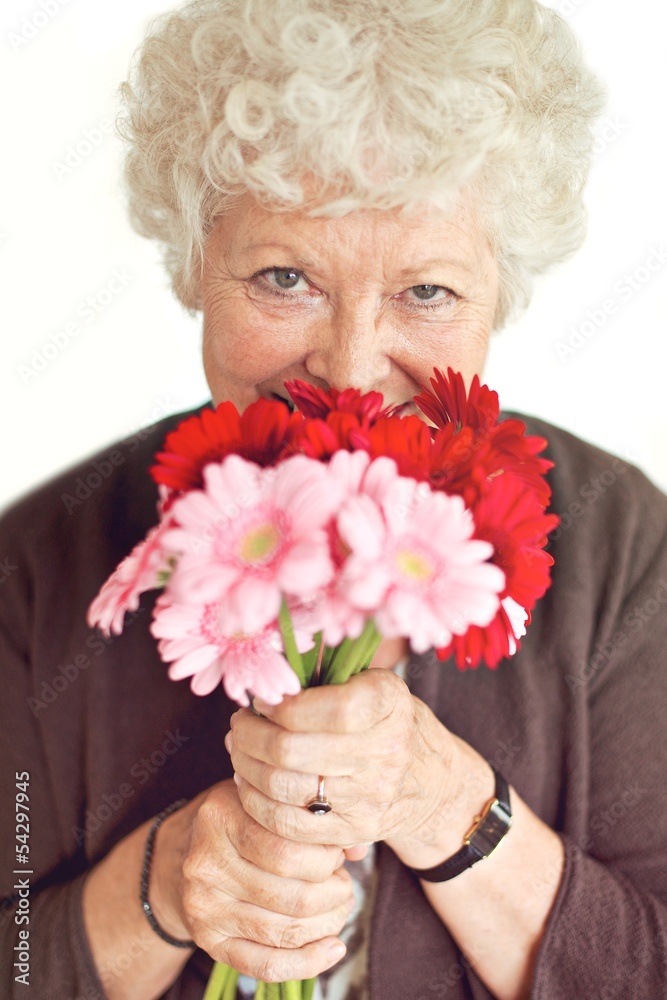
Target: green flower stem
column 311, row 659
column 308, row 988
column 229, row 992
column 222, row 979
column 291, row 652
column 337, row 666
column 290, row 990
column 353, row 656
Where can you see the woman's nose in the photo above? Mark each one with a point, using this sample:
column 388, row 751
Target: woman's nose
column 351, row 349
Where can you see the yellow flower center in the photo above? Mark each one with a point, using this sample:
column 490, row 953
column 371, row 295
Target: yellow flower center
column 259, row 543
column 413, row 565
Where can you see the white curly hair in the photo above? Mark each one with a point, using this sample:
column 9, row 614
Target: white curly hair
column 379, row 103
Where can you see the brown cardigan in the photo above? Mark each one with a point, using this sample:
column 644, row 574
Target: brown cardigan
column 576, row 722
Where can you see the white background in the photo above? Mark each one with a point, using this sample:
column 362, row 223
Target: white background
column 136, row 358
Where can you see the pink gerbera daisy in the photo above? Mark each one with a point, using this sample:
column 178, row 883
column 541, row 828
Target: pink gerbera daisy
column 414, row 565
column 252, row 536
column 194, row 641
column 148, row 566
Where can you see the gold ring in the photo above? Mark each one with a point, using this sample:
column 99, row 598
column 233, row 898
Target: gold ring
column 320, row 805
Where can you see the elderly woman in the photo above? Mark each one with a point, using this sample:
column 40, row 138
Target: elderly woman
column 352, row 193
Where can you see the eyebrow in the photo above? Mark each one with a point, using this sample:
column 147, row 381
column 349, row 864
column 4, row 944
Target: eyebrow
column 414, row 270
column 422, row 265
column 283, row 247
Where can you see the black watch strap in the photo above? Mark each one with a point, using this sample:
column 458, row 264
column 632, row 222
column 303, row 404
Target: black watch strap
column 488, row 830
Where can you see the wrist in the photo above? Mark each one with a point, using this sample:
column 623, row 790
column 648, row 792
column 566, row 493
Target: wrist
column 457, row 798
column 166, row 867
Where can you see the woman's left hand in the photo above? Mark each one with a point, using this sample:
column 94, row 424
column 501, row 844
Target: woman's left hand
column 392, row 771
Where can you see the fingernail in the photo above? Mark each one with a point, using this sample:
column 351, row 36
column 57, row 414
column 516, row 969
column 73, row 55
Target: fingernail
column 341, row 860
column 229, row 742
column 232, row 719
column 262, row 707
column 238, row 780
column 336, row 952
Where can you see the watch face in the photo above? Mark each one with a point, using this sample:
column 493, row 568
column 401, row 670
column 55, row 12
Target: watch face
column 491, row 830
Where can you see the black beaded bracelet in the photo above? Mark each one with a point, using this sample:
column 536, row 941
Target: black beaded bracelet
column 146, row 874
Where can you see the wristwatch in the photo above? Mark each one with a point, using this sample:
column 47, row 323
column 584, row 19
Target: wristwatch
column 482, row 838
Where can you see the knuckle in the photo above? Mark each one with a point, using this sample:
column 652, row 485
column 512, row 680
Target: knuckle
column 272, row 970
column 298, row 902
column 208, row 813
column 294, row 935
column 285, row 750
column 277, row 786
column 345, row 716
column 285, row 824
column 197, row 869
column 282, row 857
column 334, row 924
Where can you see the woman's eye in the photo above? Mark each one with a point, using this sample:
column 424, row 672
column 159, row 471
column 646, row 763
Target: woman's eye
column 426, row 292
column 284, row 278
column 427, row 296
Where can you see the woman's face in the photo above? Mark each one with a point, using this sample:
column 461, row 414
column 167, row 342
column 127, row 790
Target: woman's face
column 373, row 300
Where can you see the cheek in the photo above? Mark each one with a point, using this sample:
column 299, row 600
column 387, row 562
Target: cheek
column 461, row 345
column 241, row 348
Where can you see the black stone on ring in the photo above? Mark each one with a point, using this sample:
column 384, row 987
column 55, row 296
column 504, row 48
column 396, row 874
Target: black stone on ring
column 320, row 805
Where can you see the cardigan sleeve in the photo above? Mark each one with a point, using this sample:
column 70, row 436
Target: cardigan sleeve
column 44, row 950
column 607, row 932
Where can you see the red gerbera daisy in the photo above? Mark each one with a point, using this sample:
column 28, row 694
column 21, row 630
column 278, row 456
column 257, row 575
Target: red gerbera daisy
column 259, row 434
column 315, row 402
column 462, row 463
column 517, row 452
column 405, row 439
column 449, row 403
column 491, row 644
column 317, row 438
column 511, row 518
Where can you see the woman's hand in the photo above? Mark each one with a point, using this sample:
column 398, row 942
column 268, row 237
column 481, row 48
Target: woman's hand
column 269, row 907
column 392, row 771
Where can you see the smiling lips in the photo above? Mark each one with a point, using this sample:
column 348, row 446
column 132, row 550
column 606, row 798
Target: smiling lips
column 401, row 411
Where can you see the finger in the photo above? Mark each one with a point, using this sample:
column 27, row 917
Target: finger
column 296, row 823
column 352, row 707
column 250, row 922
column 278, row 965
column 288, row 897
column 290, row 787
column 274, row 855
column 308, row 753
column 357, row 852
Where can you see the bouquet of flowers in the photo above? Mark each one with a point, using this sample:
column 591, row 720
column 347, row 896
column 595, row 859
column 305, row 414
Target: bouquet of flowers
column 291, row 541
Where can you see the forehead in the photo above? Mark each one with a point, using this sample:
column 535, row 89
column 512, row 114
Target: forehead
column 404, row 237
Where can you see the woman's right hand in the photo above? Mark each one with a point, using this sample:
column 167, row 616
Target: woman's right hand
column 271, row 908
